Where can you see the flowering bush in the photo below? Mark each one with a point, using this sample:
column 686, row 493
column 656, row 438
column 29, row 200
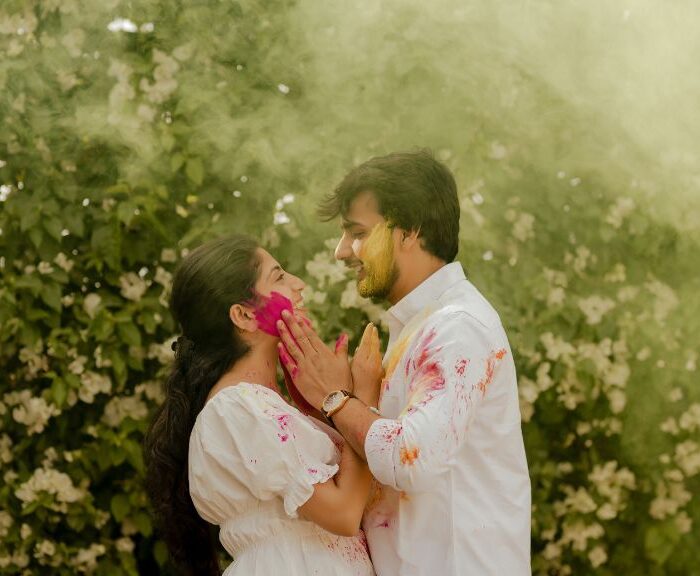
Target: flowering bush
column 135, row 130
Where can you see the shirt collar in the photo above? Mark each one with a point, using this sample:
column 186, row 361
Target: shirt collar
column 425, row 293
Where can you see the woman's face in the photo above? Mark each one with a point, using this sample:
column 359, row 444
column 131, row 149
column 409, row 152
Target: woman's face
column 273, row 278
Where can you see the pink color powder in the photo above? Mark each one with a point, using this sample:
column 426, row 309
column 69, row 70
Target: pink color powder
column 270, row 311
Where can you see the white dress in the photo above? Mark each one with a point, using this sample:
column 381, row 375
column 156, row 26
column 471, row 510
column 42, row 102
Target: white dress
column 253, row 461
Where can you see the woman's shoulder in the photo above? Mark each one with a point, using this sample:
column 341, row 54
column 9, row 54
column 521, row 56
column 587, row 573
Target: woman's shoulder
column 243, row 405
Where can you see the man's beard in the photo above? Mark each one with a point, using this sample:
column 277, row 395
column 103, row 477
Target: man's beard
column 380, row 269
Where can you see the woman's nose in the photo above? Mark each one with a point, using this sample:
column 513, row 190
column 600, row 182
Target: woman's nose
column 298, row 283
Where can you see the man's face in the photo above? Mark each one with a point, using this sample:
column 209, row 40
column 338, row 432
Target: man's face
column 367, row 246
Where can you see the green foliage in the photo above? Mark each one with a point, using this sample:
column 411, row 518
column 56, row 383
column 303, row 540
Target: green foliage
column 121, row 149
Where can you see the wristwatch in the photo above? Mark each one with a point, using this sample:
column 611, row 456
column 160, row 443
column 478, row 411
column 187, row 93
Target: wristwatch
column 334, row 401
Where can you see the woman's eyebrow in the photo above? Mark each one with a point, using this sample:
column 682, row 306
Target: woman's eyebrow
column 277, row 268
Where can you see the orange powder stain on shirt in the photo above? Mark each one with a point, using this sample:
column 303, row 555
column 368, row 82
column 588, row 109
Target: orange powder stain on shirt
column 490, row 369
column 409, row 455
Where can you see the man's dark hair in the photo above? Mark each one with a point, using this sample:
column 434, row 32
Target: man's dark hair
column 414, row 192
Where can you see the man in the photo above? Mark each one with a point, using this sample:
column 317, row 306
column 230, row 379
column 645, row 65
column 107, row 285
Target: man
column 445, row 443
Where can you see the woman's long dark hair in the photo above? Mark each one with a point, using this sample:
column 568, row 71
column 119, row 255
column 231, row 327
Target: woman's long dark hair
column 208, row 281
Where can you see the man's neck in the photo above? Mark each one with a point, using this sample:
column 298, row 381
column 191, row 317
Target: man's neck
column 410, row 279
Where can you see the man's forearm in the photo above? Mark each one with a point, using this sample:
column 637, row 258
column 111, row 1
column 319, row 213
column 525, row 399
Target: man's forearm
column 353, row 421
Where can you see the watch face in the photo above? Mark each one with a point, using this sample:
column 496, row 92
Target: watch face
column 332, row 401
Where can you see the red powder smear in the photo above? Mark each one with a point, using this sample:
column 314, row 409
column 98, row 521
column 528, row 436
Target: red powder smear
column 298, row 399
column 490, row 368
column 461, row 366
column 341, row 341
column 409, row 456
column 283, row 437
column 384, row 524
column 269, row 312
column 312, row 471
column 393, row 433
column 283, row 420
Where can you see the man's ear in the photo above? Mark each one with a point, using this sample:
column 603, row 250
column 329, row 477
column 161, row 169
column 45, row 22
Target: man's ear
column 408, row 239
column 243, row 318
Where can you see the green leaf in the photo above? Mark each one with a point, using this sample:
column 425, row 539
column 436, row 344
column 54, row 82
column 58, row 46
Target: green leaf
column 120, row 506
column 129, row 333
column 143, row 523
column 660, row 540
column 53, row 227
column 176, row 162
column 195, row 170
column 59, row 391
column 160, row 552
column 51, row 295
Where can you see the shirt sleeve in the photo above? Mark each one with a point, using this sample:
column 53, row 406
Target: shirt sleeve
column 258, row 440
column 447, row 375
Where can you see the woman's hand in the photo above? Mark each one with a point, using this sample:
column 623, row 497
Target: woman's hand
column 366, row 368
column 315, row 369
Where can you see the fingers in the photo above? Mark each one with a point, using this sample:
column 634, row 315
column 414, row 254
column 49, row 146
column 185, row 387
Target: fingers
column 289, row 344
column 292, row 328
column 363, row 350
column 287, row 362
column 341, row 344
column 308, row 331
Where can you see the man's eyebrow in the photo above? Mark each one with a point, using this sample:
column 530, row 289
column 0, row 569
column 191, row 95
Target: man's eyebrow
column 350, row 224
column 276, row 267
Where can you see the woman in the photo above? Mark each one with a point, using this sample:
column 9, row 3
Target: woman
column 226, row 449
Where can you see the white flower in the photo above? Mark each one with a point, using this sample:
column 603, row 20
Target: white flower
column 5, row 449
column 168, row 255
column 151, row 389
column 669, row 499
column 556, row 347
column 326, row 272
column 665, row 302
column 595, row 307
column 77, row 366
column 133, row 286
column 25, row 531
column 690, row 419
column 91, row 303
column 124, row 544
column 86, row 558
column 597, row 556
column 523, row 227
column 619, row 211
column 91, row 384
column 120, row 407
column 162, row 352
column 44, row 268
column 52, row 482
column 6, row 522
column 44, row 549
column 33, row 412
column 163, row 74
column 687, row 457
column 163, row 277
column 617, row 274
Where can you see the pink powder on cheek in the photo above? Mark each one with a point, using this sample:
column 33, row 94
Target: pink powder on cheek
column 269, row 311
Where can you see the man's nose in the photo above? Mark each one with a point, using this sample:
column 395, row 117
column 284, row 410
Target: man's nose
column 343, row 250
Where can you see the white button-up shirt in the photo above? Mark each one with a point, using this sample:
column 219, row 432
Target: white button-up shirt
column 453, row 492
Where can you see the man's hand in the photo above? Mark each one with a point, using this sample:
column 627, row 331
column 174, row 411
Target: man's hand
column 315, row 369
column 366, row 367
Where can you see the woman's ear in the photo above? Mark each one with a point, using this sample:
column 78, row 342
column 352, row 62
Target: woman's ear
column 243, row 318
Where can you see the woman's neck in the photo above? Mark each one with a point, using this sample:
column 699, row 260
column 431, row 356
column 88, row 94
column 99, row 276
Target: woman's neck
column 258, row 366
